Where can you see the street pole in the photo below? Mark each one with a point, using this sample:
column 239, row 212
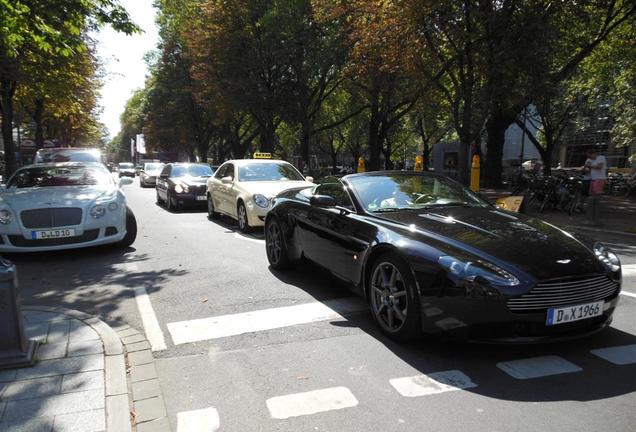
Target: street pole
column 523, row 138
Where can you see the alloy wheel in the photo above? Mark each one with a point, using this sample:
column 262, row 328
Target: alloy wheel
column 273, row 241
column 389, row 298
column 210, row 207
column 242, row 217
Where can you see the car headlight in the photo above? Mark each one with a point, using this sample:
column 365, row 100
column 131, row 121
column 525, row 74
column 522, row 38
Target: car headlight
column 468, row 270
column 261, row 201
column 112, row 206
column 5, row 217
column 181, row 188
column 607, row 258
column 98, row 211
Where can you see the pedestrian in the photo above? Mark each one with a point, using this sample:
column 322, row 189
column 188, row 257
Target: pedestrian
column 596, row 168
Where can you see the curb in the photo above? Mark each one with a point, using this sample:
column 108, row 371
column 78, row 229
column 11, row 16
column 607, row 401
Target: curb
column 129, row 369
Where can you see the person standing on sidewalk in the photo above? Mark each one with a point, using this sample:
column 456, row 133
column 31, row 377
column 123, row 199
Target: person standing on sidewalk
column 597, row 167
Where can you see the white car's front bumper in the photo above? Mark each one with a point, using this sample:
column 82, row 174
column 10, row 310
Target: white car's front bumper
column 111, row 228
column 256, row 215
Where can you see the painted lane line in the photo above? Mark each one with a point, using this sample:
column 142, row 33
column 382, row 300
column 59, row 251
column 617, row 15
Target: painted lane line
column 260, row 320
column 628, row 294
column 628, row 270
column 537, row 367
column 300, row 404
column 619, row 355
column 437, row 382
column 242, row 237
column 202, row 420
column 148, row 317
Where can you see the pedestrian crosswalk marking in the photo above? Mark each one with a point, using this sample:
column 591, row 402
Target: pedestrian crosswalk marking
column 619, row 355
column 628, row 269
column 260, row 320
column 437, row 382
column 312, row 402
column 537, row 367
column 202, row 420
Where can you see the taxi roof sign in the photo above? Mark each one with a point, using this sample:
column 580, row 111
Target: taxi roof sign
column 259, row 155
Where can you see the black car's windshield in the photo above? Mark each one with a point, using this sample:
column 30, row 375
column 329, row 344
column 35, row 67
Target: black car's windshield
column 405, row 191
column 269, row 172
column 191, row 171
column 153, row 166
column 60, row 176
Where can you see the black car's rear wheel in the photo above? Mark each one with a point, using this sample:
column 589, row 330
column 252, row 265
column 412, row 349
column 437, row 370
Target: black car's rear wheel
column 171, row 203
column 393, row 299
column 275, row 245
column 158, row 197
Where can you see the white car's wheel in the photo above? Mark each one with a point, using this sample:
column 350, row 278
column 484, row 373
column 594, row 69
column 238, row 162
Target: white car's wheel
column 243, row 223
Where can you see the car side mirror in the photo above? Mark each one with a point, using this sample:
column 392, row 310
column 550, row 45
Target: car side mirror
column 310, row 179
column 226, row 180
column 124, row 181
column 322, row 201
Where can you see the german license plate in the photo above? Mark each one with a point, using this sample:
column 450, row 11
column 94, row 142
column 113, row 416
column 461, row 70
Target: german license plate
column 49, row 234
column 574, row 313
column 201, row 198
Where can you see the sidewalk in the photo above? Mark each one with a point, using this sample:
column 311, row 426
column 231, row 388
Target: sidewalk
column 89, row 377
column 617, row 214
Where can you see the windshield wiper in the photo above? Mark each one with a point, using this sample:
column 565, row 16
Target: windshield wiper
column 448, row 204
column 389, row 209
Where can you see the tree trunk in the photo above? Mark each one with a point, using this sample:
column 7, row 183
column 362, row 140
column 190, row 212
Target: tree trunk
column 375, row 146
column 268, row 137
column 425, row 156
column 496, row 127
column 6, row 95
column 305, row 137
column 463, row 168
column 37, row 119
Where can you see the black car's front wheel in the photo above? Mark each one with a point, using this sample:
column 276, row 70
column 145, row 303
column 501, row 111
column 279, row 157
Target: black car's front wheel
column 392, row 296
column 275, row 245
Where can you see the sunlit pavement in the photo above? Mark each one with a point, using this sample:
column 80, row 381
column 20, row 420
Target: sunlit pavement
column 242, row 348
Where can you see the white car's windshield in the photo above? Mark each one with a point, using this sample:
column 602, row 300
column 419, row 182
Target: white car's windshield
column 405, row 191
column 269, row 172
column 71, row 155
column 60, row 176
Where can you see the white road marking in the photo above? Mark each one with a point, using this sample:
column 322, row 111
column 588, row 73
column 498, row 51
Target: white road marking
column 266, row 319
column 148, row 317
column 628, row 270
column 619, row 355
column 628, row 294
column 437, row 382
column 203, row 420
column 299, row 404
column 537, row 367
column 242, row 237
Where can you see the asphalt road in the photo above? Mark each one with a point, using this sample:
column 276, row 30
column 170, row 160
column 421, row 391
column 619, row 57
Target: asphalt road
column 258, row 378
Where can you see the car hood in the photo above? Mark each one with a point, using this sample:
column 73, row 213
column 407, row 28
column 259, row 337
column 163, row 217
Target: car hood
column 63, row 196
column 272, row 188
column 191, row 181
column 531, row 245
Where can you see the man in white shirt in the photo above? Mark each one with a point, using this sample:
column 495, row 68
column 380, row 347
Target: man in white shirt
column 596, row 166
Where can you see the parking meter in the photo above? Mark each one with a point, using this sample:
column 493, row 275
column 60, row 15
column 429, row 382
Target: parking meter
column 15, row 350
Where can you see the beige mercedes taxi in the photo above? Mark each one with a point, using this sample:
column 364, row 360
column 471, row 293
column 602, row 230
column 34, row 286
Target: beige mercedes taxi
column 243, row 189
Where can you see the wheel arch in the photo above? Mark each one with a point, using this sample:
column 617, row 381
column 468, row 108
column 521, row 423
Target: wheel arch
column 373, row 255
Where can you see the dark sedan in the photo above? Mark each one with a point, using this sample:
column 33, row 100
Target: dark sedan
column 432, row 257
column 181, row 184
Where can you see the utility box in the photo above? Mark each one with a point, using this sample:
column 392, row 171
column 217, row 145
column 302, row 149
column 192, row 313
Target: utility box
column 15, row 350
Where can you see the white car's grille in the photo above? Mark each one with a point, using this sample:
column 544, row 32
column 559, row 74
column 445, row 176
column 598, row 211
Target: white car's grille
column 51, row 217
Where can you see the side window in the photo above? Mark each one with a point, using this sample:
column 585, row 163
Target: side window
column 220, row 173
column 229, row 171
column 337, row 191
column 165, row 171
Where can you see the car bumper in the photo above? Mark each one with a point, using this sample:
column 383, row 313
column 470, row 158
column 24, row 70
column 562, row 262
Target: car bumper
column 256, row 215
column 90, row 237
column 191, row 199
column 492, row 322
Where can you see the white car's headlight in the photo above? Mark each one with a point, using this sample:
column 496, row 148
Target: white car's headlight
column 181, row 188
column 5, row 217
column 98, row 211
column 478, row 269
column 261, row 201
column 607, row 258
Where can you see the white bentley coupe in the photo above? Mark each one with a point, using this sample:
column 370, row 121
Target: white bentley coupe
column 70, row 205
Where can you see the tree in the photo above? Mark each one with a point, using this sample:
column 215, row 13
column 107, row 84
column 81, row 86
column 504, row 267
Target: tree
column 37, row 29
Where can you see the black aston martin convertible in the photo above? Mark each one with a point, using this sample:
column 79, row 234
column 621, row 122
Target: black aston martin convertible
column 432, row 257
